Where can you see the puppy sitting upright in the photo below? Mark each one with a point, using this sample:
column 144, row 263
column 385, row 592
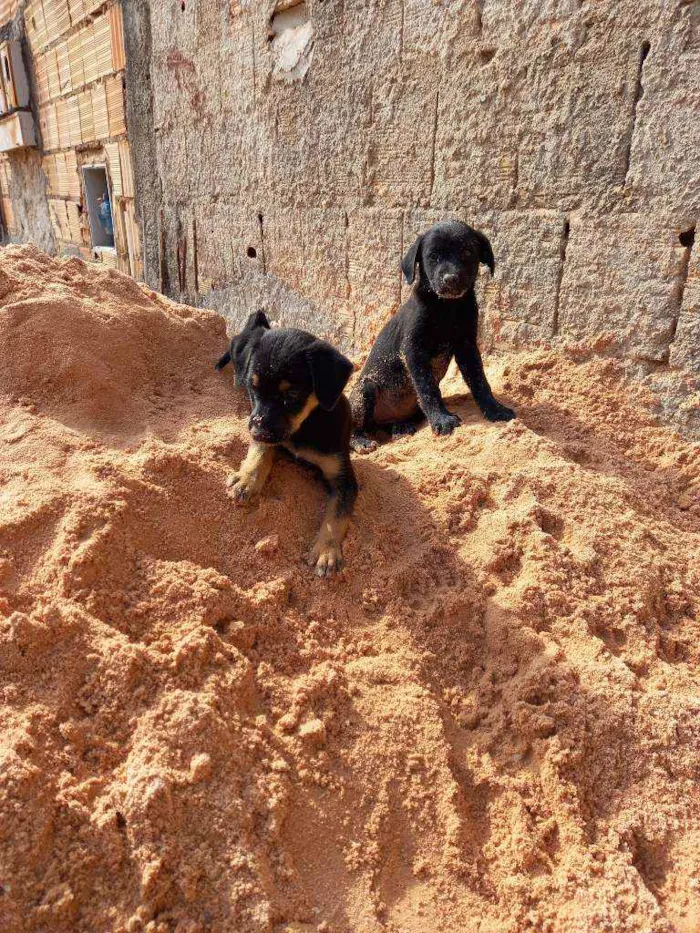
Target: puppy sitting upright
column 295, row 385
column 399, row 384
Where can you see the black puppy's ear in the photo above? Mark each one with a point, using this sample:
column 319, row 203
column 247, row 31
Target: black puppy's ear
column 485, row 251
column 257, row 319
column 224, row 360
column 330, row 371
column 408, row 264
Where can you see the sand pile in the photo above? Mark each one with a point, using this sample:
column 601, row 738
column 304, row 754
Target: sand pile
column 490, row 722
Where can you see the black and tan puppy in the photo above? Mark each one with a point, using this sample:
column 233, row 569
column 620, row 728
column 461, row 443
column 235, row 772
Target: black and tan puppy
column 400, row 382
column 295, row 385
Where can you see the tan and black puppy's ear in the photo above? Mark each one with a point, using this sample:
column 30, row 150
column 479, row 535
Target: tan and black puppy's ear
column 410, row 260
column 485, row 251
column 257, row 319
column 330, row 371
column 238, row 348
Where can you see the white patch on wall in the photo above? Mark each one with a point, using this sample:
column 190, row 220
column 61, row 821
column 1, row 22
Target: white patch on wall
column 291, row 40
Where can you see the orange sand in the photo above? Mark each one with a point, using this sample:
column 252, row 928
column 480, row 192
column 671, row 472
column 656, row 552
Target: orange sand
column 490, row 722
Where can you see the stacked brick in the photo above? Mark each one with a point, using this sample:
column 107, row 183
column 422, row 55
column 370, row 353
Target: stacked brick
column 77, row 50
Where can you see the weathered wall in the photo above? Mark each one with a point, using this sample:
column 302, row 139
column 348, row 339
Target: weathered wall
column 24, row 208
column 73, row 52
column 567, row 130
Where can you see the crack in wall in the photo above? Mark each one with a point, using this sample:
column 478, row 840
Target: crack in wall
column 687, row 241
column 638, row 94
column 195, row 257
column 263, row 260
column 401, row 248
column 181, row 258
column 563, row 245
column 164, row 277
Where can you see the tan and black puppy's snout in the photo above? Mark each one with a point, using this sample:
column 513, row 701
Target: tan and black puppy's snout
column 264, row 432
column 295, row 385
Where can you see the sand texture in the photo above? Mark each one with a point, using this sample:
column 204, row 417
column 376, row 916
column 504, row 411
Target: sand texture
column 490, row 722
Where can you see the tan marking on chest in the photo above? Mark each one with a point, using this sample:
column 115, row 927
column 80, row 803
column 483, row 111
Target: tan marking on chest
column 328, row 464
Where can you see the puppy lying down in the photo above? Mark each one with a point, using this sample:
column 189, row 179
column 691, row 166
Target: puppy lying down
column 399, row 385
column 295, row 385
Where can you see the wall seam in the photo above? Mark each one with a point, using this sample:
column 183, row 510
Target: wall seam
column 638, row 94
column 563, row 246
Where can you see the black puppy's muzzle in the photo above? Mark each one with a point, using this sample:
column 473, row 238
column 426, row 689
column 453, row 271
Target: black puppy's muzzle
column 450, row 285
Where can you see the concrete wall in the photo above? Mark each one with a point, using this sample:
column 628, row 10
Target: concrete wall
column 301, row 152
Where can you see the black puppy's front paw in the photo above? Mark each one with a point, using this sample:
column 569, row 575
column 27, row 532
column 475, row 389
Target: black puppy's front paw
column 445, row 423
column 497, row 412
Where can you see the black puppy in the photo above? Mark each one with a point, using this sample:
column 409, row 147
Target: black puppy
column 399, row 384
column 295, row 385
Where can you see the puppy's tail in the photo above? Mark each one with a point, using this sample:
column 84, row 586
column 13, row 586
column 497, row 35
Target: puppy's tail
column 224, row 361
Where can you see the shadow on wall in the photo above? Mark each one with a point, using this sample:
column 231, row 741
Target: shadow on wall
column 282, row 304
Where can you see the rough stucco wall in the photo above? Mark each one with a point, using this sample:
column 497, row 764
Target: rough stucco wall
column 567, row 130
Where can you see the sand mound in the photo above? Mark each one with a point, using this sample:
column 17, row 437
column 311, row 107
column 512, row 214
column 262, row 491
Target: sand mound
column 92, row 347
column 491, row 722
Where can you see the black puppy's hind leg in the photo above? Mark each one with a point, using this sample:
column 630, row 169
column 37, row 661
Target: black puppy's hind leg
column 472, row 370
column 327, row 555
column 362, row 405
column 408, row 426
